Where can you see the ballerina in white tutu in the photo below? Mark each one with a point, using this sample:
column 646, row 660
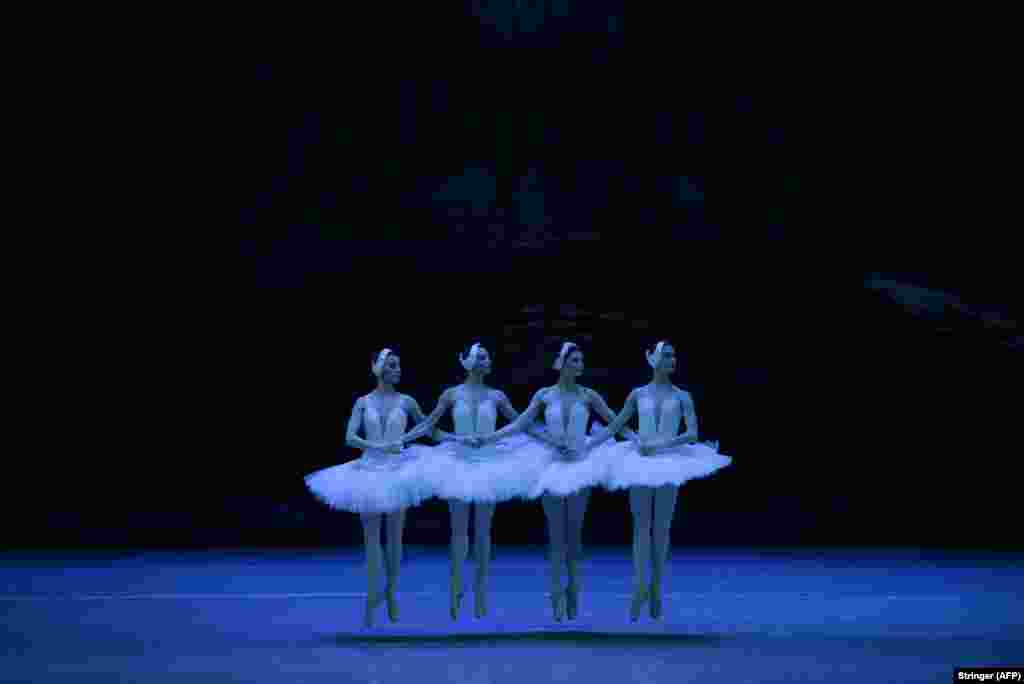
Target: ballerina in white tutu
column 384, row 481
column 653, row 467
column 564, row 484
column 469, row 477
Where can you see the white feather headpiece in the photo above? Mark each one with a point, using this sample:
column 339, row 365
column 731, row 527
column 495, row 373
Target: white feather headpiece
column 469, row 360
column 653, row 359
column 560, row 361
column 378, row 365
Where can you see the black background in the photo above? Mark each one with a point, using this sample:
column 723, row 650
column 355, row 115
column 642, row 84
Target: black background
column 510, row 179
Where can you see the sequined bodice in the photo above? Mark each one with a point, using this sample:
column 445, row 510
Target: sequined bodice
column 384, row 427
column 665, row 425
column 486, row 417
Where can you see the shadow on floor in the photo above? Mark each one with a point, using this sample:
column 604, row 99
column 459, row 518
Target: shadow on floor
column 578, row 637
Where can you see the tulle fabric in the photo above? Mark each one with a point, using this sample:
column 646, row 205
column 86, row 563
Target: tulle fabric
column 626, row 467
column 496, row 472
column 563, row 475
column 376, row 482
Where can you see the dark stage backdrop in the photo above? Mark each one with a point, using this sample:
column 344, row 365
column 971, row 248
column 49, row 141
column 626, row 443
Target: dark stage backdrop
column 849, row 421
column 525, row 180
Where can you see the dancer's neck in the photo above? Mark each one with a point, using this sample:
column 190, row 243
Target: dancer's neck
column 567, row 384
column 661, row 380
column 474, row 380
column 385, row 388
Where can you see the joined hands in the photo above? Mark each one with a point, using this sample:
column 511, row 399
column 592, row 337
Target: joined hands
column 570, row 449
column 394, row 447
column 645, row 446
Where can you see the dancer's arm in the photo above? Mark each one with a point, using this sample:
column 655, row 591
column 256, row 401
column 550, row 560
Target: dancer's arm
column 690, row 416
column 355, row 420
column 524, row 419
column 511, row 415
column 426, row 424
column 616, row 423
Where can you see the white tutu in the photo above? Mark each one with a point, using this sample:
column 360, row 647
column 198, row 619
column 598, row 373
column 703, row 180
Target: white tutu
column 627, row 468
column 376, row 482
column 563, row 476
column 492, row 473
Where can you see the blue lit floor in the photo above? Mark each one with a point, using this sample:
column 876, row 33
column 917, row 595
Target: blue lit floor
column 730, row 616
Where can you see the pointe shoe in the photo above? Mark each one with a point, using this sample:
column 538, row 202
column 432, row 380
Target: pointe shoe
column 392, row 605
column 558, row 605
column 480, row 595
column 372, row 601
column 481, row 604
column 572, row 601
column 641, row 595
column 655, row 601
column 455, row 593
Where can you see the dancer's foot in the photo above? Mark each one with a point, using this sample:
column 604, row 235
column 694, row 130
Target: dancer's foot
column 558, row 605
column 372, row 601
column 455, row 594
column 572, row 601
column 480, row 593
column 481, row 603
column 392, row 605
column 655, row 601
column 641, row 595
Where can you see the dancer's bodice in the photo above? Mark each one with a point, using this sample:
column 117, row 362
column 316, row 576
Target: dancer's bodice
column 578, row 417
column 485, row 415
column 384, row 425
column 664, row 425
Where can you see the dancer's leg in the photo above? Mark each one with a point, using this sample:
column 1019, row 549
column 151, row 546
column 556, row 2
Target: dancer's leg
column 457, row 553
column 395, row 522
column 371, row 542
column 576, row 511
column 664, row 509
column 482, row 549
column 554, row 511
column 640, row 503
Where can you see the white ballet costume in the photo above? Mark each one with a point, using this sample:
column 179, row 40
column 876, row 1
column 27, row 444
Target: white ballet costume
column 564, row 476
column 377, row 481
column 492, row 473
column 626, row 467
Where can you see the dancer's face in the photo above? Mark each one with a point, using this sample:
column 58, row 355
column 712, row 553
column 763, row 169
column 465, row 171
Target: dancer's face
column 392, row 372
column 667, row 363
column 483, row 361
column 573, row 365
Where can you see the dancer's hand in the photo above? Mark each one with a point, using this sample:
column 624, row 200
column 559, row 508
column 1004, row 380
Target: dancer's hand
column 472, row 441
column 476, row 441
column 395, row 447
column 575, row 449
column 647, row 447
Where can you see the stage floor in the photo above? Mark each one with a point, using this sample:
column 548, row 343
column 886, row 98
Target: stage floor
column 295, row 616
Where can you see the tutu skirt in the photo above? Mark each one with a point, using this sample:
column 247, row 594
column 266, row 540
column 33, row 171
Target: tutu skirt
column 376, row 482
column 492, row 473
column 626, row 467
column 562, row 476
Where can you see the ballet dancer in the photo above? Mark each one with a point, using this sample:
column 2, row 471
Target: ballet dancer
column 653, row 466
column 564, row 485
column 384, row 481
column 469, row 476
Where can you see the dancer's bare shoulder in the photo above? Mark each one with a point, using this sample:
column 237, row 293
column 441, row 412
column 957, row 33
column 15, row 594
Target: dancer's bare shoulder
column 684, row 396
column 543, row 395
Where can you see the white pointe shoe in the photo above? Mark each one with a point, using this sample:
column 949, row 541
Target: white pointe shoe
column 641, row 595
